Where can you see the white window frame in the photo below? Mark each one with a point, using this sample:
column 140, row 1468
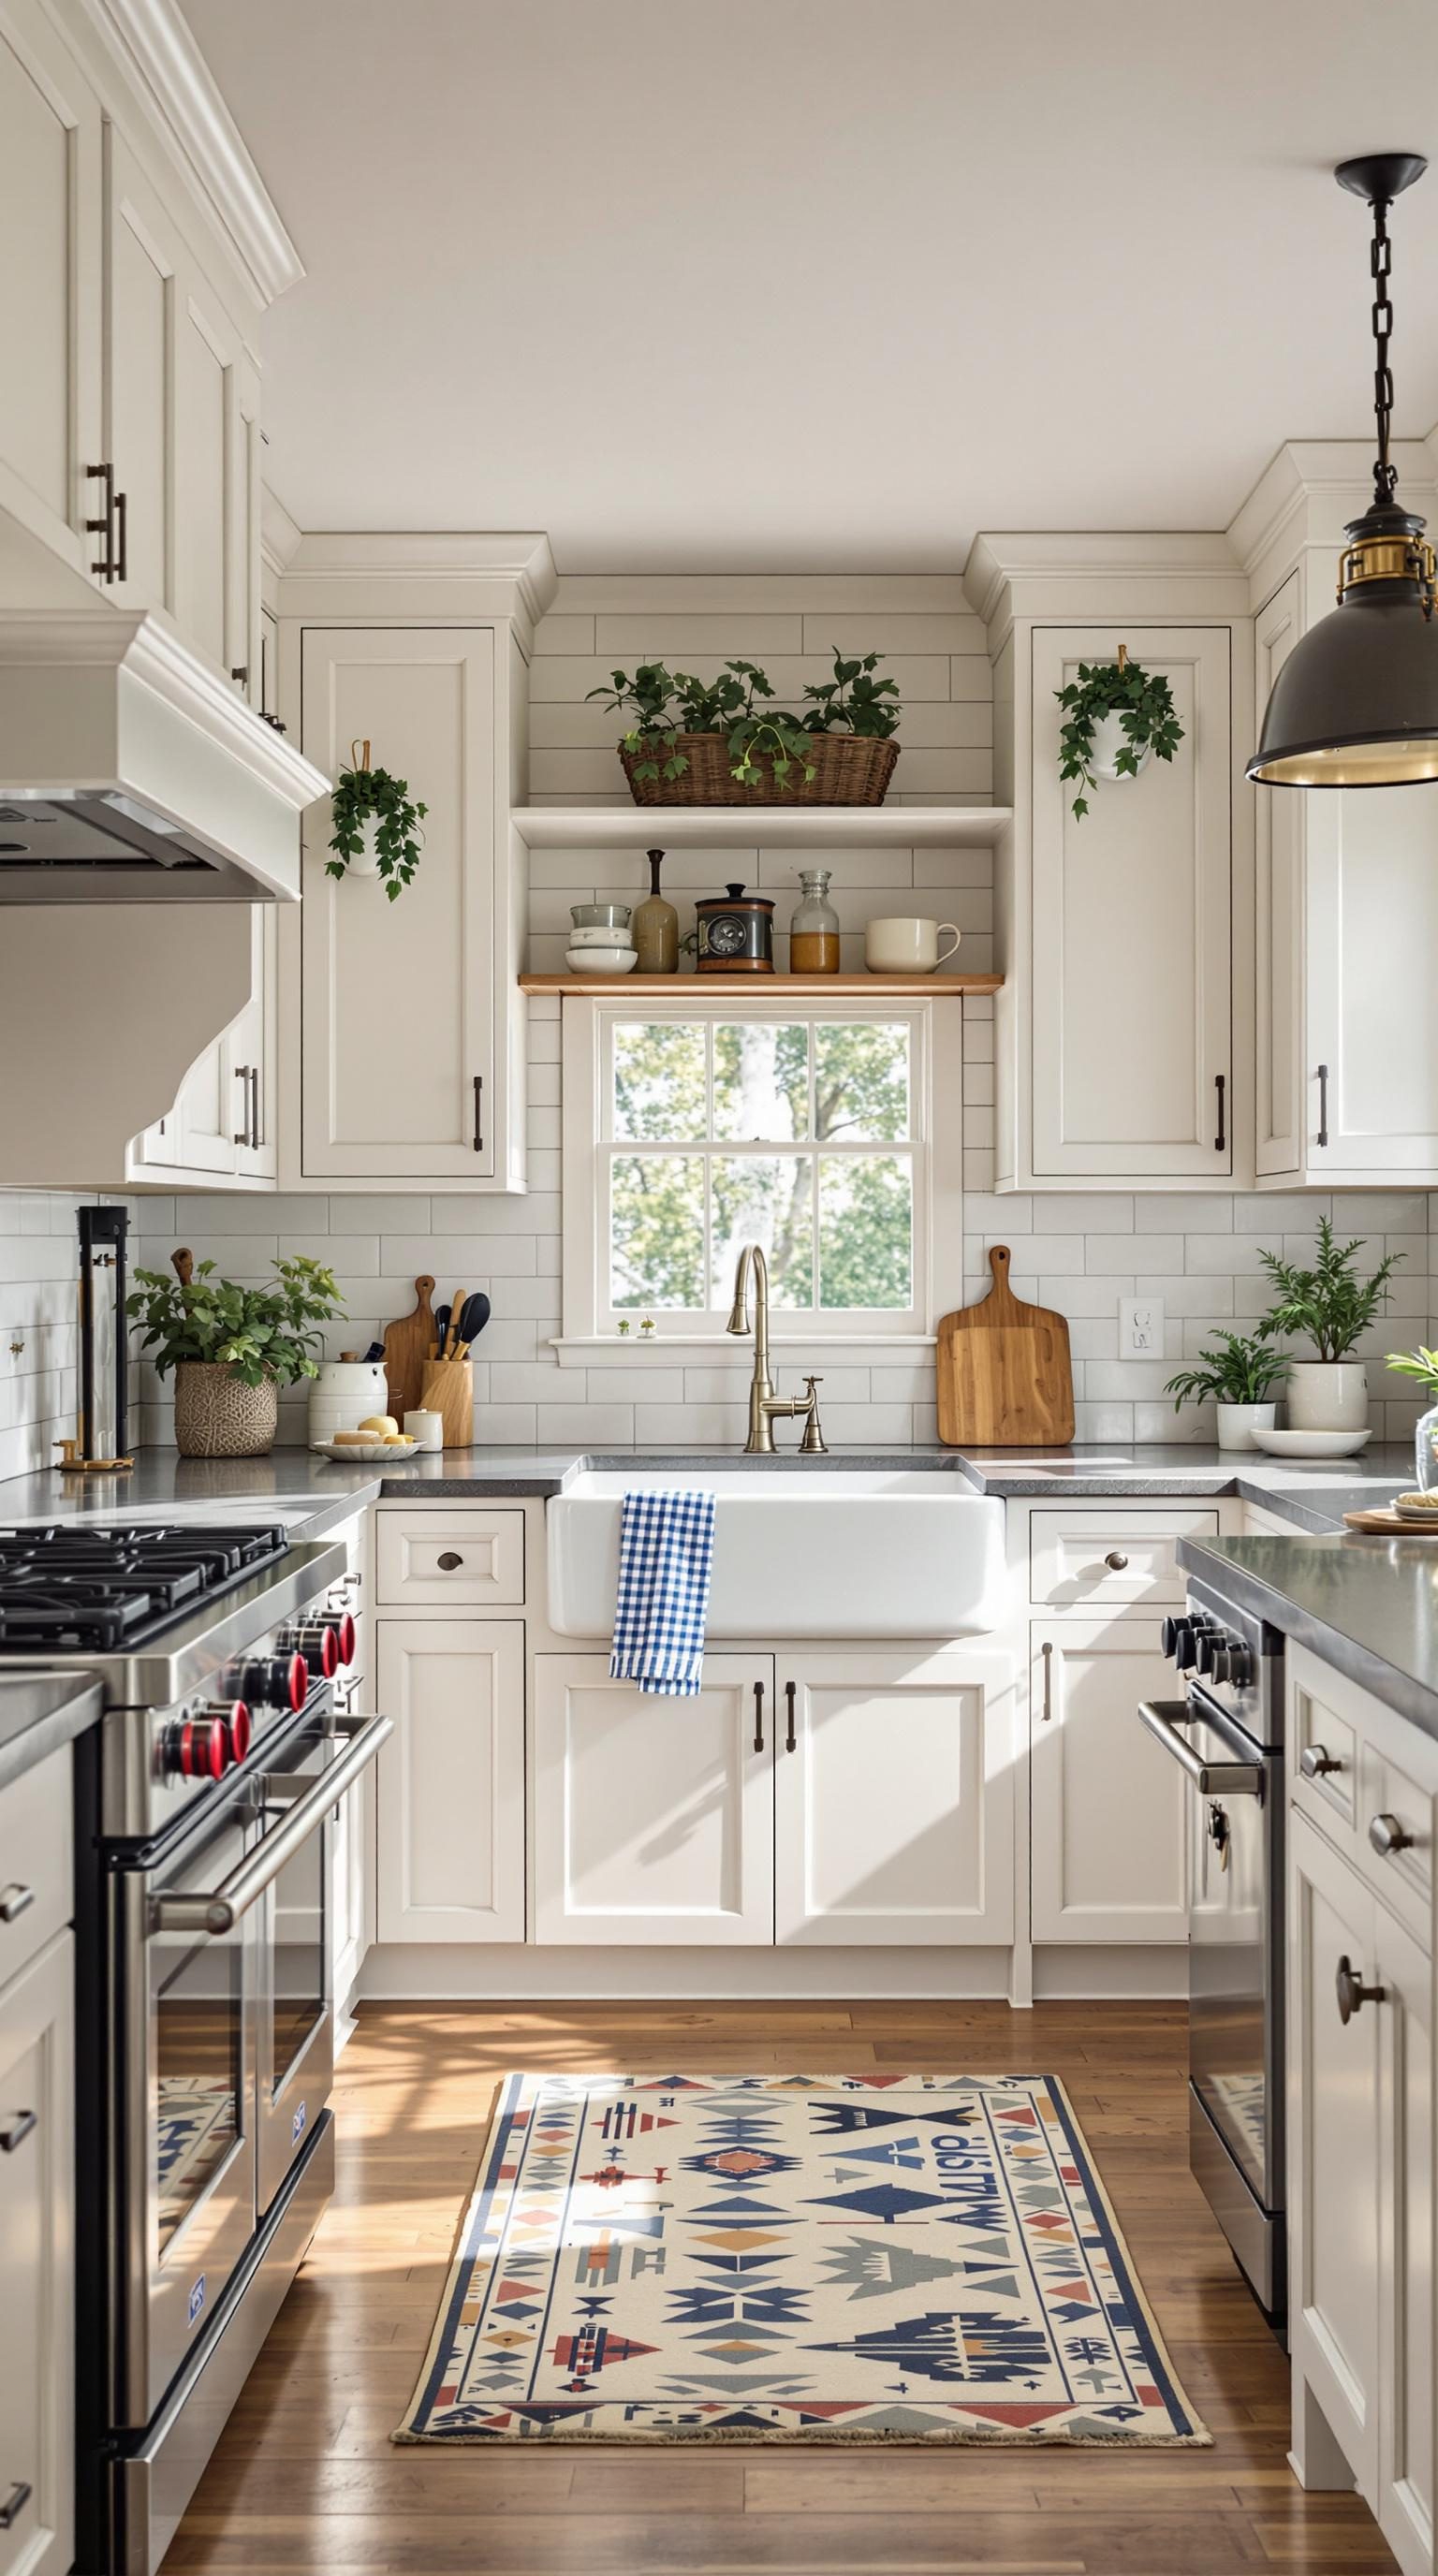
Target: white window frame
column 936, row 1146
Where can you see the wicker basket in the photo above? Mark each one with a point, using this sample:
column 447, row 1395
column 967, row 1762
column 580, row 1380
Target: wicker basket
column 849, row 769
column 218, row 1416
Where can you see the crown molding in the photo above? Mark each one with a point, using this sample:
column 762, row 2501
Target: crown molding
column 436, row 572
column 1311, row 489
column 1080, row 574
column 280, row 535
column 163, row 61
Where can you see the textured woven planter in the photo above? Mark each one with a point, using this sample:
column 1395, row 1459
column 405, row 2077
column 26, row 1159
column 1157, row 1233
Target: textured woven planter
column 218, row 1416
column 849, row 769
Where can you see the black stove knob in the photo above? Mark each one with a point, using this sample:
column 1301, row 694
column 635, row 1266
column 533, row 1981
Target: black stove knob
column 323, row 1643
column 1237, row 1664
column 274, row 1681
column 1206, row 1649
column 1168, row 1635
column 1185, row 1652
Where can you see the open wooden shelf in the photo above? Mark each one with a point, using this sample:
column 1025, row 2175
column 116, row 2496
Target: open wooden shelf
column 904, row 988
column 752, row 827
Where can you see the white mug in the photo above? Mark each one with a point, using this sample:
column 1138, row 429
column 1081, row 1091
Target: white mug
column 906, row 947
column 425, row 1427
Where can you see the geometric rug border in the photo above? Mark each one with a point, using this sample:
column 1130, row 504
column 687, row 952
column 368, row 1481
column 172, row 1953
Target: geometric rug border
column 967, row 2436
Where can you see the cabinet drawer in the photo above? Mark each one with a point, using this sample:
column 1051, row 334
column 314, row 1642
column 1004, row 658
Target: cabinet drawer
column 1377, row 1803
column 452, row 1560
column 36, row 1839
column 1082, row 1560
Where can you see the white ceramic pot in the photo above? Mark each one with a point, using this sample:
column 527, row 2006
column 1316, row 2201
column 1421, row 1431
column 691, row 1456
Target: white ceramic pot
column 365, row 862
column 1326, row 1395
column 344, row 1395
column 1109, row 739
column 1238, row 1422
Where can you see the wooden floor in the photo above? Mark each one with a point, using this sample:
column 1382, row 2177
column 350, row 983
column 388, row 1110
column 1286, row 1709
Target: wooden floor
column 305, row 2476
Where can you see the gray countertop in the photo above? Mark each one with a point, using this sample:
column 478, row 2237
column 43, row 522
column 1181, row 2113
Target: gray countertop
column 1368, row 1606
column 38, row 1713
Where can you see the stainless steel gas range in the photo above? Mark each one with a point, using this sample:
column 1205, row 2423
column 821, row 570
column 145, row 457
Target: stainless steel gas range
column 1226, row 1734
column 205, row 2010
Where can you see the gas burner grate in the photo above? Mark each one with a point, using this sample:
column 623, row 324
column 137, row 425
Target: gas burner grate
column 69, row 1589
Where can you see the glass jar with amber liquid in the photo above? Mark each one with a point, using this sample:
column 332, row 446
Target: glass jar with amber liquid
column 814, row 930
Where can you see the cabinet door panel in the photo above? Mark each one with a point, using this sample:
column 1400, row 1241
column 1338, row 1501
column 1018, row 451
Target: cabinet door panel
column 142, row 259
column 451, row 1780
column 204, row 471
column 1372, row 903
column 654, row 1818
column 49, row 283
column 1132, row 923
column 398, row 999
column 894, row 1809
column 1108, row 1806
column 1278, row 818
column 37, row 2263
column 1406, row 2318
column 1335, row 2178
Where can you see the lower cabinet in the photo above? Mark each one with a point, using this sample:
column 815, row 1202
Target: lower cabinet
column 450, row 1792
column 862, row 1799
column 1361, row 2189
column 37, row 2265
column 1109, row 1830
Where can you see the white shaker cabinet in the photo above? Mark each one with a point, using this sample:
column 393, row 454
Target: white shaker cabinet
column 450, row 1783
column 1109, row 1808
column 402, row 1075
column 50, row 286
column 1347, row 926
column 221, row 1125
column 37, row 2264
column 893, row 1779
column 653, row 1817
column 1130, row 1074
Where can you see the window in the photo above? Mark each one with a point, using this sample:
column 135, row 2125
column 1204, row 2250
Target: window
column 805, row 1129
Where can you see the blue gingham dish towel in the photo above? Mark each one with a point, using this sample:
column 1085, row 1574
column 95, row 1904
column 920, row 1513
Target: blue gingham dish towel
column 666, row 1555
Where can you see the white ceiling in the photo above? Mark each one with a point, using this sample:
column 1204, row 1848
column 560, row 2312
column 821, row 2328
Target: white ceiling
column 821, row 283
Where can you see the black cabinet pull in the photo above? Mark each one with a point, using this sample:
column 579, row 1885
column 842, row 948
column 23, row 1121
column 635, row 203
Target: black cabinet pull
column 16, row 2131
column 255, row 1107
column 758, row 1717
column 122, row 544
column 1220, row 1084
column 479, row 1113
column 104, row 526
column 243, row 1135
column 1323, row 1104
column 790, row 1740
column 449, row 1560
column 1047, row 1652
column 14, row 2504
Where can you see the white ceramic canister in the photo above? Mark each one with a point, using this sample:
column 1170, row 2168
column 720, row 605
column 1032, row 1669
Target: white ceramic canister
column 425, row 1427
column 1327, row 1395
column 344, row 1395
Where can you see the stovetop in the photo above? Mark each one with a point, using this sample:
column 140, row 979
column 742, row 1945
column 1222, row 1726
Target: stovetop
column 65, row 1590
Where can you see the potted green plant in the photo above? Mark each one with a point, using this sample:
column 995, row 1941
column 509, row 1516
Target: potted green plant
column 1116, row 718
column 374, row 825
column 232, row 1347
column 1422, row 1365
column 1236, row 1371
column 1330, row 1305
column 724, row 742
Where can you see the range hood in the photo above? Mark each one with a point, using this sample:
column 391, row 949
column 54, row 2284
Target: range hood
column 131, row 772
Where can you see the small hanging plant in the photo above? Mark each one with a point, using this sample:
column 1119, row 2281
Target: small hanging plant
column 365, row 797
column 1143, row 703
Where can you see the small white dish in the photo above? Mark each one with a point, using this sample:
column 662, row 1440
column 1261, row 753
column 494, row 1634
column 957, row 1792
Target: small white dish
column 1312, row 1444
column 365, row 1451
column 600, row 938
column 601, row 961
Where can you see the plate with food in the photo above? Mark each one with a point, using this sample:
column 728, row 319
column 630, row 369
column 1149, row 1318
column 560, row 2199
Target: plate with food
column 378, row 1437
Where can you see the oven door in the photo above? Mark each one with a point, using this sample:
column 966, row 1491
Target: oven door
column 294, row 2002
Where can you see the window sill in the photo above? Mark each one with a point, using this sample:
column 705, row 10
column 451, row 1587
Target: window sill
column 610, row 1350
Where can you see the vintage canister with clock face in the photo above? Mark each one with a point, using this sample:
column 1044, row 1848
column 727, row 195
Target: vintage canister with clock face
column 736, row 933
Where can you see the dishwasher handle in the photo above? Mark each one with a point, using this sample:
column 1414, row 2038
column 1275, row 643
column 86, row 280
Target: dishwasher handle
column 220, row 1911
column 1163, row 1718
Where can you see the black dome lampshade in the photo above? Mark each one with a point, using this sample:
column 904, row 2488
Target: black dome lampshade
column 1356, row 702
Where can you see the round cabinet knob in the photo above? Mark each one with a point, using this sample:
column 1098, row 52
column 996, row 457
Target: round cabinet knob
column 1352, row 1992
column 1315, row 1762
column 1116, row 1561
column 449, row 1562
column 1387, row 1836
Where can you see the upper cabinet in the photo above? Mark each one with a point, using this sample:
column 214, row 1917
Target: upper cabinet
column 50, row 152
column 222, row 1124
column 1347, row 922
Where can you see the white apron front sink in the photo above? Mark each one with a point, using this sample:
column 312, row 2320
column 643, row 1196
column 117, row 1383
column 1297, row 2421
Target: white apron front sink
column 862, row 1552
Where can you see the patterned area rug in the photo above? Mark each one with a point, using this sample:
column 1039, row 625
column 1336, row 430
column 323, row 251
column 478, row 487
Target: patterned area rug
column 696, row 2258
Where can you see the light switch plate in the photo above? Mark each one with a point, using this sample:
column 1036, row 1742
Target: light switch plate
column 1140, row 1328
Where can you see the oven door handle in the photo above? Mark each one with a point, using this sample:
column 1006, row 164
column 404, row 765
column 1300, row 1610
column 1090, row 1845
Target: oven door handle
column 220, row 1911
column 1163, row 1718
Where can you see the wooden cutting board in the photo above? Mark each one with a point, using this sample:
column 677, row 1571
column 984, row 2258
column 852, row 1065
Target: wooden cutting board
column 1005, row 1379
column 407, row 1348
column 1389, row 1524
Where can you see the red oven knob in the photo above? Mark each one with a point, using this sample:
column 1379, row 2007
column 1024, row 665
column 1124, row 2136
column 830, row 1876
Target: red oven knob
column 315, row 1639
column 198, row 1748
column 239, row 1730
column 276, row 1681
column 345, row 1634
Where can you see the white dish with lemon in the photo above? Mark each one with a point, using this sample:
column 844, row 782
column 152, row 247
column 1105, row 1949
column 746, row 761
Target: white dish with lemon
column 378, row 1437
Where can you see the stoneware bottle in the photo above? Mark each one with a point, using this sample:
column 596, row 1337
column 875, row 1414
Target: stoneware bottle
column 655, row 926
column 814, row 930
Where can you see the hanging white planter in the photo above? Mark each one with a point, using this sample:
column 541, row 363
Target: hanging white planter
column 365, row 862
column 1109, row 739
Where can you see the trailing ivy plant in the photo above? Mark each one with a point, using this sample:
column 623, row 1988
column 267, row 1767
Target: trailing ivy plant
column 1143, row 702
column 737, row 704
column 363, row 796
column 271, row 1332
column 1235, row 1368
column 1329, row 1305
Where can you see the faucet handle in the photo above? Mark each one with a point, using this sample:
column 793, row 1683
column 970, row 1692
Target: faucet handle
column 813, row 1444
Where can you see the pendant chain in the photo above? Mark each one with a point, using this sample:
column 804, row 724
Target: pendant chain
column 1380, row 260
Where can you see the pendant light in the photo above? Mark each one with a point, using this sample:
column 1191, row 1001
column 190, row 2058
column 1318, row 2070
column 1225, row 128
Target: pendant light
column 1356, row 702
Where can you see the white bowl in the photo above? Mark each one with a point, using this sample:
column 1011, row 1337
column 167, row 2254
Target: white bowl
column 601, row 961
column 600, row 939
column 1312, row 1444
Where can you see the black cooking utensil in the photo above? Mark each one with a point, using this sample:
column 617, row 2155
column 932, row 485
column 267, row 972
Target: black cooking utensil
column 441, row 1329
column 473, row 1316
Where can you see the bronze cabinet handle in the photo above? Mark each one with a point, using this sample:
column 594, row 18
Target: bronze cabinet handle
column 242, row 1135
column 478, row 1113
column 1322, row 1104
column 450, row 1560
column 758, row 1717
column 17, row 2130
column 1387, row 1836
column 1046, row 1650
column 255, row 1107
column 1220, row 1084
column 14, row 2504
column 1116, row 1561
column 1352, row 1992
column 104, row 526
column 14, row 1901
column 1315, row 1762
column 790, row 1740
column 122, row 544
